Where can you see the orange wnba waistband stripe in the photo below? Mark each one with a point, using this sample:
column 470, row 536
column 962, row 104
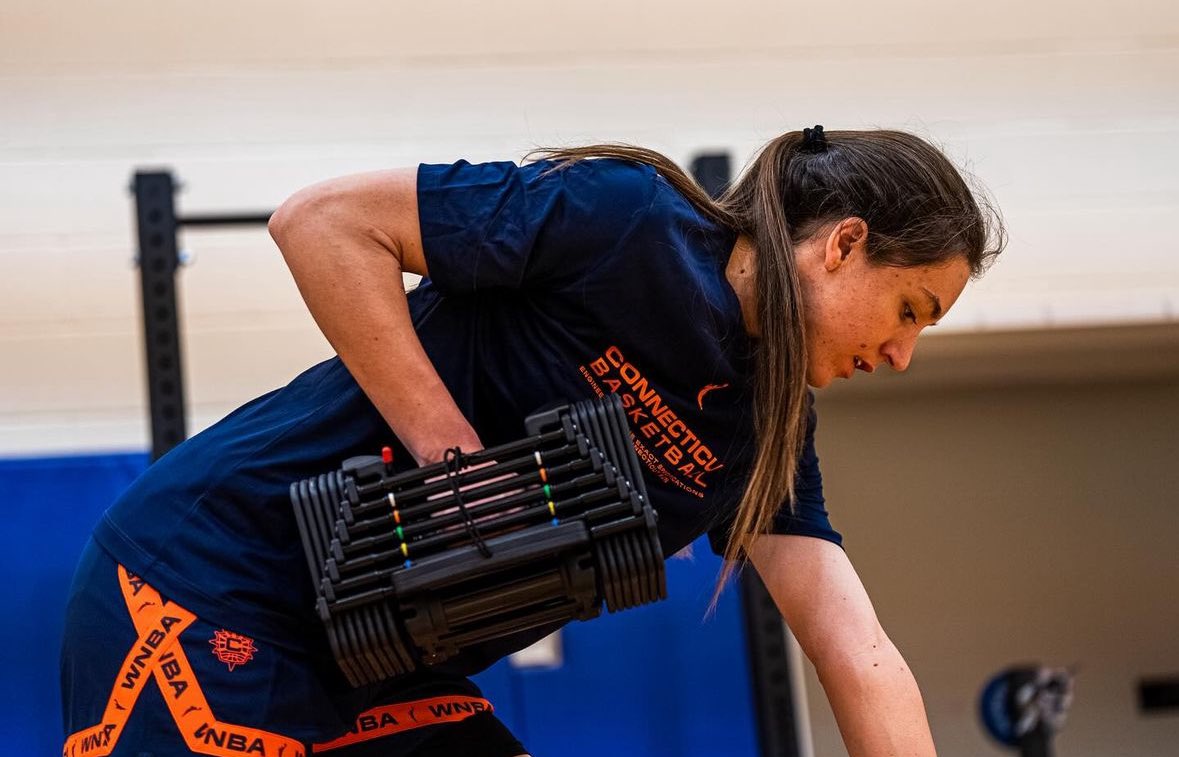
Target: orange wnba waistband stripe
column 405, row 716
column 202, row 732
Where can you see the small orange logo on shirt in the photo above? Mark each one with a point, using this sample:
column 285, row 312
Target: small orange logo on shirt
column 706, row 390
column 231, row 648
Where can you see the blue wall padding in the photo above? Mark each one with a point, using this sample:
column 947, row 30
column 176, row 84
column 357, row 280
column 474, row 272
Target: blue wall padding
column 658, row 680
column 49, row 507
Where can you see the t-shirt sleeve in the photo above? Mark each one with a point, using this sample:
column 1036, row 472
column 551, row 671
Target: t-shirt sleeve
column 809, row 516
column 499, row 225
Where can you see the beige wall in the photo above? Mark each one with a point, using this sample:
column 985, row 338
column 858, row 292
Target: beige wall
column 1031, row 519
column 1069, row 113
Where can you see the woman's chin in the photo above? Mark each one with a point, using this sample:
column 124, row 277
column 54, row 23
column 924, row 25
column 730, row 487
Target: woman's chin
column 817, row 379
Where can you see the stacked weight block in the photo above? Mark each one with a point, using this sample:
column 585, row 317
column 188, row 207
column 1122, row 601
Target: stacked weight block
column 410, row 568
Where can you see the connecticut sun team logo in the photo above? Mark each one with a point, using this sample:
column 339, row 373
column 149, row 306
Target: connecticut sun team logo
column 706, row 390
column 231, row 648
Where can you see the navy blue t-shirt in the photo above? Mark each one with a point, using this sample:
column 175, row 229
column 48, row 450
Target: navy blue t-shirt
column 545, row 285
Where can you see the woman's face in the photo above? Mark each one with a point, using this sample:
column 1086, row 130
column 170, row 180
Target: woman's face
column 860, row 316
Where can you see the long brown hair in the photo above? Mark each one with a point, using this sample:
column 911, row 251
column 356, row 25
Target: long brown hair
column 919, row 211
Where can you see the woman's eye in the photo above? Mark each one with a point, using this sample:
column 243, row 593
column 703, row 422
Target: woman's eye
column 909, row 314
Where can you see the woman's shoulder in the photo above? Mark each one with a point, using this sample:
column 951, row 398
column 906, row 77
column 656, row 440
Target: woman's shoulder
column 602, row 187
column 628, row 182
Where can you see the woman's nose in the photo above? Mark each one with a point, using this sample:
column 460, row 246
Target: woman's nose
column 899, row 352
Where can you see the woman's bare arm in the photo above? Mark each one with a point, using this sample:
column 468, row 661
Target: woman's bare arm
column 347, row 242
column 871, row 690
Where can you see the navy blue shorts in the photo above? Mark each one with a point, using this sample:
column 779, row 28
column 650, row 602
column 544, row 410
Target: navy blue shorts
column 142, row 676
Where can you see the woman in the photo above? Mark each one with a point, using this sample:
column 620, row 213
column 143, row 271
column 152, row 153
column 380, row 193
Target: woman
column 602, row 269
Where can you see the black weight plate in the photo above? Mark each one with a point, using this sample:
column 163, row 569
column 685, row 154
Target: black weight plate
column 588, row 430
column 602, row 436
column 643, row 545
column 606, row 575
column 396, row 633
column 347, row 643
column 621, row 570
column 311, row 550
column 364, row 659
column 336, row 492
column 378, row 643
column 615, row 418
column 323, row 526
column 635, row 566
column 343, row 659
column 314, row 526
column 650, row 568
column 629, row 462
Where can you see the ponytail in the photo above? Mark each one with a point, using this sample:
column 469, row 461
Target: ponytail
column 919, row 211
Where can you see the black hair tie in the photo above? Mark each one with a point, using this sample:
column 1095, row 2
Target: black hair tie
column 453, row 459
column 813, row 140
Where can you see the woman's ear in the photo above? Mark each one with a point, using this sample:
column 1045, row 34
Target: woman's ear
column 847, row 238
